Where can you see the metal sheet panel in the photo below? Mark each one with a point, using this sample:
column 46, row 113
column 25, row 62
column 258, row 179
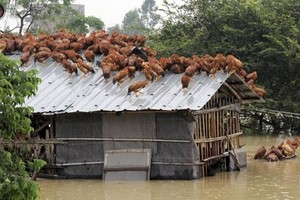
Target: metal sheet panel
column 60, row 92
column 127, row 164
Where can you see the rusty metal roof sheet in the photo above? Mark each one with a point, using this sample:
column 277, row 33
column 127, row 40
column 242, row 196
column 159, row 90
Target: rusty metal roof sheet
column 60, row 92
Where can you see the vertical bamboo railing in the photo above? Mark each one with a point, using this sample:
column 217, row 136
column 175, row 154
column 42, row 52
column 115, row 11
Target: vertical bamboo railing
column 212, row 129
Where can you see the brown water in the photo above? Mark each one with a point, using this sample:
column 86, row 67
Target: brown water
column 260, row 180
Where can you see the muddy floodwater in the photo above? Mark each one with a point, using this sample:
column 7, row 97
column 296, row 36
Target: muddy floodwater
column 260, row 180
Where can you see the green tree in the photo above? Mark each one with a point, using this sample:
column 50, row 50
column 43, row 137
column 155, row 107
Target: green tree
column 149, row 15
column 115, row 28
column 58, row 16
column 94, row 23
column 14, row 180
column 15, row 87
column 132, row 23
column 29, row 10
column 263, row 34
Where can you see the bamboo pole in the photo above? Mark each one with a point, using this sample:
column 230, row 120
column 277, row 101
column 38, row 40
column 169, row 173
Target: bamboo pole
column 124, row 139
column 207, row 140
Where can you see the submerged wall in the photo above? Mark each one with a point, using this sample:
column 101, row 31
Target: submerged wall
column 168, row 135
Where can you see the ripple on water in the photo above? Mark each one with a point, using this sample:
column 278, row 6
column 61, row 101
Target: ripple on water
column 261, row 180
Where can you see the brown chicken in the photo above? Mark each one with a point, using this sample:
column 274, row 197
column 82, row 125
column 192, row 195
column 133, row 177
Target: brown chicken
column 208, row 58
column 44, row 49
column 176, row 68
column 185, row 62
column 72, row 55
column 234, row 64
column 153, row 63
column 94, row 48
column 150, row 75
column 132, row 59
column 222, row 61
column 29, row 48
column 260, row 153
column 192, row 69
column 41, row 56
column 293, row 144
column 104, row 47
column 250, row 83
column 19, row 44
column 70, row 67
column 58, row 57
column 150, row 52
column 175, row 59
column 89, row 55
column 120, row 76
column 141, row 40
column 272, row 158
column 84, row 67
column 2, row 45
column 185, row 80
column 276, row 151
column 259, row 91
column 10, row 46
column 61, row 46
column 287, row 151
column 165, row 63
column 127, row 50
column 25, row 56
column 76, row 46
column 106, row 69
column 137, row 86
column 203, row 64
column 131, row 71
column 242, row 73
column 251, row 76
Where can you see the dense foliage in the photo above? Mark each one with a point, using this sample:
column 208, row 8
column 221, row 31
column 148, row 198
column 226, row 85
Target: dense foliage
column 15, row 87
column 265, row 35
column 14, row 180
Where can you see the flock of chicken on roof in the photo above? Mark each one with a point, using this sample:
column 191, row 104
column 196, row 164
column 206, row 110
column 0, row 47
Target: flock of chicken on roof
column 77, row 52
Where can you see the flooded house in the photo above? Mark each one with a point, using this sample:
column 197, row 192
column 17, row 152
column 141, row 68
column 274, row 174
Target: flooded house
column 80, row 119
column 107, row 108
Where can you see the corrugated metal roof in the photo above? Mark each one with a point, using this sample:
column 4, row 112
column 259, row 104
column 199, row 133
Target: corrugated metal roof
column 60, row 92
column 242, row 89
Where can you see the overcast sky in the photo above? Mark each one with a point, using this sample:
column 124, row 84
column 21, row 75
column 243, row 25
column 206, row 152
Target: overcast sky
column 111, row 12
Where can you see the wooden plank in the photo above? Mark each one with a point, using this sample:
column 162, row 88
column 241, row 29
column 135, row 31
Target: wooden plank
column 215, row 157
column 42, row 127
column 204, row 125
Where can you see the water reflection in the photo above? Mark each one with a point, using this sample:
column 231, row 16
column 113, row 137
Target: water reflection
column 260, row 180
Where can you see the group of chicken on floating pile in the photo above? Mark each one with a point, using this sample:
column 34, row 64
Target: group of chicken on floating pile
column 119, row 59
column 285, row 150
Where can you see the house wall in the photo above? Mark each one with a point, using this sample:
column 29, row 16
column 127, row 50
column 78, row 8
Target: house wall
column 168, row 135
column 182, row 156
column 79, row 125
